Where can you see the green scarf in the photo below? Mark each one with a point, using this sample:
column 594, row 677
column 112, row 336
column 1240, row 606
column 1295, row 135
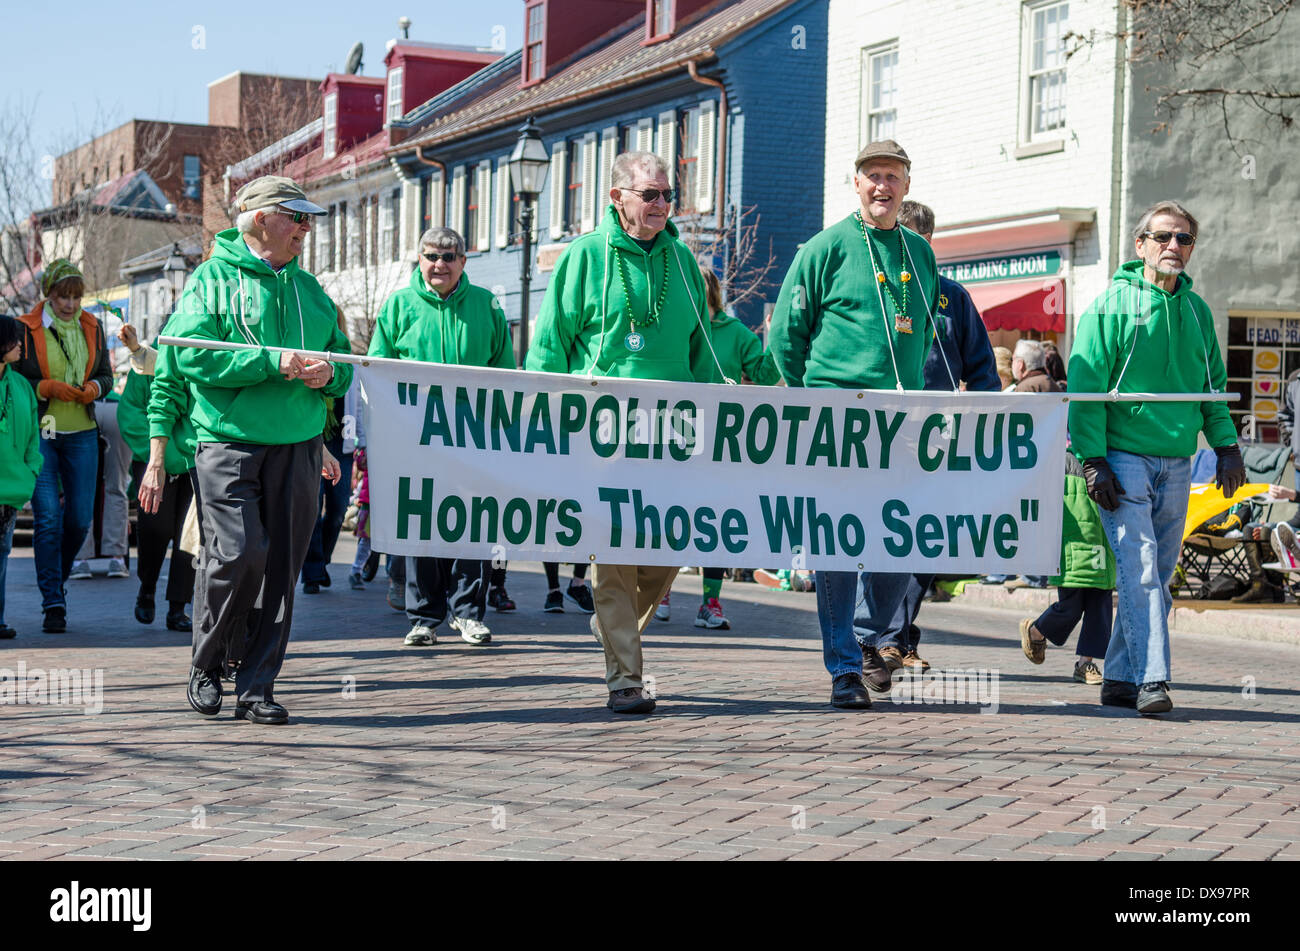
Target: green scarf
column 75, row 351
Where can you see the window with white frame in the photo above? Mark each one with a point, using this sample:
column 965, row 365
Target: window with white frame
column 395, row 93
column 661, row 17
column 392, row 239
column 329, row 145
column 574, row 181
column 1045, row 26
column 341, row 240
column 325, row 230
column 533, row 64
column 695, row 160
column 880, row 92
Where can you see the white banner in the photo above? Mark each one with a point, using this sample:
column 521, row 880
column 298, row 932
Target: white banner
column 468, row 462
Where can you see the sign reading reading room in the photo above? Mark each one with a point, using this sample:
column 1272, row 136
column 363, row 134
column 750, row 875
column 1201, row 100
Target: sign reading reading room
column 1009, row 268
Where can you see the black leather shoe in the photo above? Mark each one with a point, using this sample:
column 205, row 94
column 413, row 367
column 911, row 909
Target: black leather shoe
column 631, row 700
column 848, row 693
column 144, row 610
column 177, row 621
column 875, row 672
column 7, row 632
column 205, row 691
column 310, row 587
column 1154, row 698
column 1119, row 693
column 262, row 711
column 56, row 620
column 371, row 567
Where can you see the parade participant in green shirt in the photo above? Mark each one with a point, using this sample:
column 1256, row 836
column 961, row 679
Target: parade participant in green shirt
column 856, row 310
column 20, row 454
column 627, row 301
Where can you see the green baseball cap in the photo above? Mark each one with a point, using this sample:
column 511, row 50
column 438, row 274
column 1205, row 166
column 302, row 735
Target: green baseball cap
column 274, row 191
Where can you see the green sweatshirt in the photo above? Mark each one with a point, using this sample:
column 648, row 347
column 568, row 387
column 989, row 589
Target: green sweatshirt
column 740, row 351
column 134, row 423
column 1086, row 558
column 169, row 406
column 241, row 396
column 1169, row 346
column 828, row 328
column 584, row 326
column 468, row 328
column 20, row 453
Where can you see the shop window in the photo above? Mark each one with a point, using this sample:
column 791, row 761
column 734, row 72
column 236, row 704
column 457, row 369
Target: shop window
column 1263, row 352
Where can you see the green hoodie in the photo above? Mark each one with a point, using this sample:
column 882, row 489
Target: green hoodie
column 828, row 329
column 584, row 326
column 741, row 352
column 468, row 328
column 20, row 453
column 241, row 396
column 170, row 404
column 1086, row 558
column 1169, row 346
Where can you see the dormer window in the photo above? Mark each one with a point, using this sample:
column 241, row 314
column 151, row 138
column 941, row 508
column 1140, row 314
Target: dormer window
column 534, row 63
column 395, row 110
column 329, row 145
column 659, row 19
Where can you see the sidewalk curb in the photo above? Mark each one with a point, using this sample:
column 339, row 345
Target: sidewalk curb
column 1272, row 623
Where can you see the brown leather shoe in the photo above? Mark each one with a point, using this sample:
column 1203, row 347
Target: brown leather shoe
column 875, row 672
column 916, row 661
column 892, row 657
column 1034, row 650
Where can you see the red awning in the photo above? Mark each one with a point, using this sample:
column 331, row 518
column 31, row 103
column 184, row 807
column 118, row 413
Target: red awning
column 1021, row 305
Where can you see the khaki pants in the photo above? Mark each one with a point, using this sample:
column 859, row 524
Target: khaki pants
column 626, row 597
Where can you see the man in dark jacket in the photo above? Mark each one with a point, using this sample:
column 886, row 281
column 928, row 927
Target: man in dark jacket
column 1029, row 367
column 961, row 355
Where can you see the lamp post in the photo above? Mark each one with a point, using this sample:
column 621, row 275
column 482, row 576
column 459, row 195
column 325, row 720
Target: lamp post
column 174, row 270
column 529, row 164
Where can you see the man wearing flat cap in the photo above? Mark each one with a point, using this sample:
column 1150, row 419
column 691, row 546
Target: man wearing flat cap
column 258, row 418
column 856, row 310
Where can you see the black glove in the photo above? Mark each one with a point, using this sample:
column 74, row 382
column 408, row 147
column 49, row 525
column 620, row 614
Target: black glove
column 1103, row 487
column 1230, row 473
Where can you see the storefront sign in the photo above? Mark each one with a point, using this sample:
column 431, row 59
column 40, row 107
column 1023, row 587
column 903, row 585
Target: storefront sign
column 1013, row 267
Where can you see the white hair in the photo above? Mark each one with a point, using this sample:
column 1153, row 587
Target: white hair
column 627, row 164
column 245, row 220
column 1032, row 353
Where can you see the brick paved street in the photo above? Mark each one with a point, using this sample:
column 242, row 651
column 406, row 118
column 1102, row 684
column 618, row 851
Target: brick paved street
column 507, row 751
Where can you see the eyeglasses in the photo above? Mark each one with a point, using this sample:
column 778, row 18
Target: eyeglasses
column 298, row 216
column 649, row 195
column 1185, row 240
column 447, row 256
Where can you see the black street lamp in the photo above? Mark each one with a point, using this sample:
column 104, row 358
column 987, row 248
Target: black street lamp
column 529, row 164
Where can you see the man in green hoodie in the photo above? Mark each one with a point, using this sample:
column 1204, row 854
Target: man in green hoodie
column 440, row 317
column 1148, row 333
column 856, row 310
column 258, row 418
column 627, row 300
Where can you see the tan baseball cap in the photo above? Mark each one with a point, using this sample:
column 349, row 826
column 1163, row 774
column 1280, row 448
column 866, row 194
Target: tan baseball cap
column 884, row 149
column 274, row 191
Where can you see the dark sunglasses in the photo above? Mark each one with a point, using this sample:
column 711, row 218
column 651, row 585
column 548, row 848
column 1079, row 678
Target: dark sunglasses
column 652, row 194
column 1185, row 240
column 298, row 216
column 447, row 256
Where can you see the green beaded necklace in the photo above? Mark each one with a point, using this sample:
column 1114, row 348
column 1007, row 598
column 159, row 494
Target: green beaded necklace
column 652, row 316
column 902, row 322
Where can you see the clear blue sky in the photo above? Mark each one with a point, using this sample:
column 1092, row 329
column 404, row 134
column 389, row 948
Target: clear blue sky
column 90, row 66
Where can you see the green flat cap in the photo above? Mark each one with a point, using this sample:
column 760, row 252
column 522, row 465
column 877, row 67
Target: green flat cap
column 274, row 191
column 884, row 149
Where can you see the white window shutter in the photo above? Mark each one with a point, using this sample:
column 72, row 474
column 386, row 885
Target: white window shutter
column 457, row 217
column 608, row 151
column 483, row 184
column 437, row 202
column 589, row 183
column 645, row 133
column 409, row 218
column 559, row 191
column 668, row 143
column 706, row 174
column 505, row 220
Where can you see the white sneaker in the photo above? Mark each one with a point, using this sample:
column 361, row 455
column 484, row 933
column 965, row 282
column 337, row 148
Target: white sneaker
column 662, row 612
column 421, row 636
column 472, row 631
column 80, row 571
column 1285, row 546
column 117, row 568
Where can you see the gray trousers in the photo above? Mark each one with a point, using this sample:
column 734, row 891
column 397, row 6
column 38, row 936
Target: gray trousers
column 258, row 512
column 117, row 475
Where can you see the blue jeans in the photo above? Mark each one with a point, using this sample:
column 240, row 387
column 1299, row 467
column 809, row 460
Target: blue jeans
column 8, row 516
column 70, row 459
column 1146, row 534
column 847, row 598
column 334, row 505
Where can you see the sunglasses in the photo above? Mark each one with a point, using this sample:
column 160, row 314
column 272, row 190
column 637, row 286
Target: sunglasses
column 652, row 194
column 447, row 256
column 1185, row 240
column 298, row 216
